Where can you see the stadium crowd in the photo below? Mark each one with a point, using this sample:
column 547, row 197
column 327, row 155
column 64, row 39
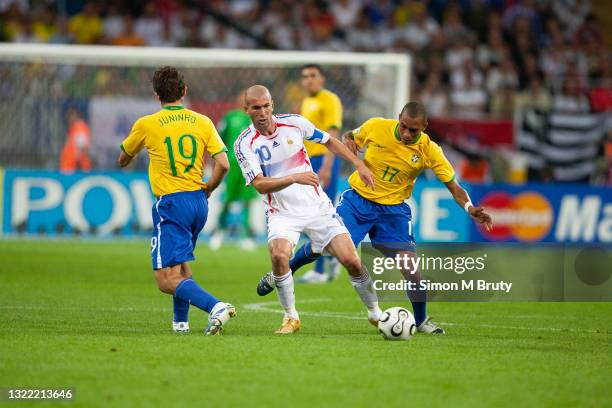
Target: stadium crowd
column 472, row 58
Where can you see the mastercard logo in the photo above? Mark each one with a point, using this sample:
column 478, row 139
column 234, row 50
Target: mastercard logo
column 526, row 216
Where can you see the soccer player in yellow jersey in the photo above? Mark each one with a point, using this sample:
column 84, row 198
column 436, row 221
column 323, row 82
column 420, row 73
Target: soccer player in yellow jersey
column 176, row 139
column 397, row 152
column 324, row 109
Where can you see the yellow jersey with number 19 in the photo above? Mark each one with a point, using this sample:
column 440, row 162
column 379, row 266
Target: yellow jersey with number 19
column 395, row 165
column 324, row 110
column 176, row 139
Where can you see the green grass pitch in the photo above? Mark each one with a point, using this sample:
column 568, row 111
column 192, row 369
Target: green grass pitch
column 87, row 315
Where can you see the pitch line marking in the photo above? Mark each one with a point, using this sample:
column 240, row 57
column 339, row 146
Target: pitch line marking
column 265, row 307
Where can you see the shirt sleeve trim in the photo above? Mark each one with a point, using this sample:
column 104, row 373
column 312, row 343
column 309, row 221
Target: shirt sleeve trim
column 224, row 150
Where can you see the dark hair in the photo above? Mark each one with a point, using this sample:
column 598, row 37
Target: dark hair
column 414, row 110
column 314, row 66
column 169, row 84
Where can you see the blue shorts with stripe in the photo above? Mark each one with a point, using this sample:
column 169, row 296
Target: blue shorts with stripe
column 332, row 188
column 178, row 219
column 389, row 226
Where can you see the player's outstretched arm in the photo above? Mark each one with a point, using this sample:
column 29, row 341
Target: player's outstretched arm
column 265, row 185
column 220, row 169
column 335, row 146
column 478, row 214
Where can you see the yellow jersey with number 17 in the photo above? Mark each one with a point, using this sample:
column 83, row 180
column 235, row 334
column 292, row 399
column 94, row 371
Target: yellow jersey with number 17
column 395, row 165
column 176, row 139
column 324, row 110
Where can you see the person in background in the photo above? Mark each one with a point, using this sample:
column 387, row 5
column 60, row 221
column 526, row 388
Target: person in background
column 75, row 153
column 324, row 109
column 230, row 127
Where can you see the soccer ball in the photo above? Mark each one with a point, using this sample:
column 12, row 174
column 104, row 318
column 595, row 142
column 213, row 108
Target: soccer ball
column 396, row 323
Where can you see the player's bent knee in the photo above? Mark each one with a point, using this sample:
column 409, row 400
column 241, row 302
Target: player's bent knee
column 165, row 286
column 352, row 263
column 279, row 258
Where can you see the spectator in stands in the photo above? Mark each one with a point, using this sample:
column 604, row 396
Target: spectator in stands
column 433, row 96
column 514, row 63
column 112, row 24
column 149, row 26
column 224, row 38
column 502, row 102
column 420, row 31
column 166, row 39
column 493, row 51
column 75, row 153
column 379, row 11
column 452, row 26
column 387, row 37
column 405, row 11
column 362, row 36
column 318, row 18
column 468, row 73
column 476, row 17
column 571, row 13
column 13, row 22
column 62, row 35
column 45, row 25
column 277, row 27
column 181, row 22
column 26, row 34
column 502, row 76
column 590, row 32
column 522, row 9
column 459, row 51
column 193, row 38
column 128, row 36
column 86, row 27
column 325, row 40
column 468, row 101
column 535, row 96
column 571, row 99
column 345, row 13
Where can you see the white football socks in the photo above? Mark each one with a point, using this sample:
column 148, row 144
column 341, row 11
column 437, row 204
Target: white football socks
column 286, row 294
column 365, row 289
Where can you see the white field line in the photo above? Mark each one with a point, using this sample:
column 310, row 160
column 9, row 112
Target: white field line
column 273, row 307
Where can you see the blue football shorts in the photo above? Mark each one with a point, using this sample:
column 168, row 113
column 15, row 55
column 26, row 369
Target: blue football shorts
column 389, row 226
column 178, row 219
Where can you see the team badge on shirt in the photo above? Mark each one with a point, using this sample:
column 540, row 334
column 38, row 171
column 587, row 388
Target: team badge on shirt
column 289, row 141
column 415, row 158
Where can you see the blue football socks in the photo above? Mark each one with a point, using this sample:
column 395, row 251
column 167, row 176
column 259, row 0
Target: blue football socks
column 320, row 265
column 302, row 257
column 181, row 310
column 190, row 292
column 419, row 305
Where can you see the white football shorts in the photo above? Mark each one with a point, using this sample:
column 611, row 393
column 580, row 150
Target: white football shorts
column 320, row 228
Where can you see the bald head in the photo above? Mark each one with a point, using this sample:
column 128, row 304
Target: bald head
column 255, row 93
column 259, row 106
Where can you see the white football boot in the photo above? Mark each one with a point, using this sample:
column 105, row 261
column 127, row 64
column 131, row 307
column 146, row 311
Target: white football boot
column 219, row 316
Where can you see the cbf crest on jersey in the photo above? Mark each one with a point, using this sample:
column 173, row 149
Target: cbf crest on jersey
column 415, row 158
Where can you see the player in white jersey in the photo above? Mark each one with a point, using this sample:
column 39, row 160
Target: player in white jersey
column 273, row 159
